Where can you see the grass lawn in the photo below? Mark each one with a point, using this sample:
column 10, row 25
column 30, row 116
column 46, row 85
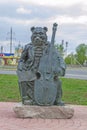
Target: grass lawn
column 74, row 91
column 9, row 90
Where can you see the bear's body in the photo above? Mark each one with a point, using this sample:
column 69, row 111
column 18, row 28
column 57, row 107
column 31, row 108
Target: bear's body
column 31, row 62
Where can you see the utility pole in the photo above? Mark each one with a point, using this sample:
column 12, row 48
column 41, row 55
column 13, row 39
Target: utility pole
column 66, row 47
column 11, row 33
column 1, row 49
column 11, row 39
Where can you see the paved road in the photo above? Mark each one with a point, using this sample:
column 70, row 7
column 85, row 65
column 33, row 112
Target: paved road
column 77, row 73
column 7, row 72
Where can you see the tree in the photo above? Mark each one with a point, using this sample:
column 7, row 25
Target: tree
column 81, row 53
column 70, row 59
column 60, row 48
column 18, row 50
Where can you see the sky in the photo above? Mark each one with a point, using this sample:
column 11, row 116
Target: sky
column 21, row 15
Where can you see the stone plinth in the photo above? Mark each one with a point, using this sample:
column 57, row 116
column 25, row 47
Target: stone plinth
column 46, row 112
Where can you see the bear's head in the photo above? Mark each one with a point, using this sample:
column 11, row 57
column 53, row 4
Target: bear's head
column 39, row 36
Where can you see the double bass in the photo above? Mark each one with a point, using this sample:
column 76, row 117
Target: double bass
column 45, row 89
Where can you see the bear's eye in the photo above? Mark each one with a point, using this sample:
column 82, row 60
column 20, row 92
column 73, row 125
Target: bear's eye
column 41, row 33
column 34, row 35
column 42, row 37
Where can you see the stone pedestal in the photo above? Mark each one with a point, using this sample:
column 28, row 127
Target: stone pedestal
column 46, row 112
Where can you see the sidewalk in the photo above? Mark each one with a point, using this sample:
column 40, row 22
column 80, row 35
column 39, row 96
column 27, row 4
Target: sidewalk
column 9, row 121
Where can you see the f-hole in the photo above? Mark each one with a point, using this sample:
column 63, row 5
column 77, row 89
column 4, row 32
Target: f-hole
column 38, row 75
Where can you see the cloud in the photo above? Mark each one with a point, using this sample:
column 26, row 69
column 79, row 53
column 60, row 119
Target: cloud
column 61, row 19
column 52, row 2
column 4, row 1
column 22, row 10
column 64, row 19
column 8, row 2
column 22, row 14
column 15, row 21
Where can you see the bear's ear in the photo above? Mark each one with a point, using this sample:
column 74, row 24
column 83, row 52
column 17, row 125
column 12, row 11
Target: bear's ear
column 46, row 29
column 32, row 29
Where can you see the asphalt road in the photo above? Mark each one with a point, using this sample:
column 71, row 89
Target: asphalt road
column 76, row 73
column 8, row 72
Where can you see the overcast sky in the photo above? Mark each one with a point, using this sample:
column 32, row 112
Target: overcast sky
column 21, row 15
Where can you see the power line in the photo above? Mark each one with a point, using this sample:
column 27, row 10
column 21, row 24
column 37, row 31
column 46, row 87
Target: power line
column 11, row 39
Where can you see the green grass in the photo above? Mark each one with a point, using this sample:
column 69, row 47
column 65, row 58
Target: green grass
column 74, row 91
column 9, row 90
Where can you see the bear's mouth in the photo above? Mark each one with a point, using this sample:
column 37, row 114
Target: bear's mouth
column 38, row 41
